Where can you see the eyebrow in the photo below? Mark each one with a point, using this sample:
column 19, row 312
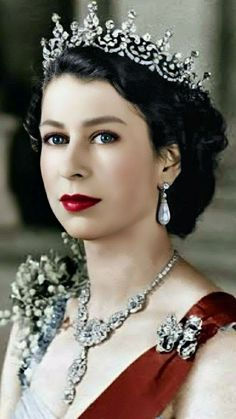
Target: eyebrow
column 86, row 122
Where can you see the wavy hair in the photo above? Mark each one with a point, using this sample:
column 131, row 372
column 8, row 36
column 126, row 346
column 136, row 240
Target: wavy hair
column 175, row 114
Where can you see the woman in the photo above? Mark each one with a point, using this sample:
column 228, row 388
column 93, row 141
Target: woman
column 111, row 129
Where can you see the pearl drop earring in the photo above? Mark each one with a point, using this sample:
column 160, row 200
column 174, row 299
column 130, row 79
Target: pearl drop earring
column 164, row 212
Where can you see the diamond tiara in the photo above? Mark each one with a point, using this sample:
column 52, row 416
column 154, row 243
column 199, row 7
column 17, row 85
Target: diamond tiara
column 125, row 42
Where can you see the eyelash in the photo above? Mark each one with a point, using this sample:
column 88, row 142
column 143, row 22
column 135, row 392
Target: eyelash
column 48, row 136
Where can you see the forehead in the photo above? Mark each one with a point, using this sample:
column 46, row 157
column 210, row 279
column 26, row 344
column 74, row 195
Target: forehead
column 71, row 96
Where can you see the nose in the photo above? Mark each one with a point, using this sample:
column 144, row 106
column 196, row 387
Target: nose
column 74, row 160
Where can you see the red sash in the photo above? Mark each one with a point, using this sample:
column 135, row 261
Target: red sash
column 149, row 384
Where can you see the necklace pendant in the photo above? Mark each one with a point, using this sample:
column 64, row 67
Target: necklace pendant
column 69, row 394
column 136, row 303
column 75, row 374
column 82, row 318
column 118, row 318
column 93, row 333
column 84, row 295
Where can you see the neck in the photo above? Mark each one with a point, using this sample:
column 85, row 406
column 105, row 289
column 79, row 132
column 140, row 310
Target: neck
column 121, row 265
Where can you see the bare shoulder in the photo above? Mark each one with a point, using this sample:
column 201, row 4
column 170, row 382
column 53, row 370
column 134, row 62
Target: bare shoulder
column 195, row 279
column 188, row 284
column 10, row 386
column 210, row 388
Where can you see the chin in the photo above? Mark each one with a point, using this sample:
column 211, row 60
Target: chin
column 75, row 227
column 78, row 230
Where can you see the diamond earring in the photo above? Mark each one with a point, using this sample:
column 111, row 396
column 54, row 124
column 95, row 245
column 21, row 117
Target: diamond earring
column 164, row 212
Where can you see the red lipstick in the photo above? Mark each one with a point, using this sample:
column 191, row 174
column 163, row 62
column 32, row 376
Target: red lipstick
column 78, row 202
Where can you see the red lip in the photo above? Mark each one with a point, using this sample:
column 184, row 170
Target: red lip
column 78, row 202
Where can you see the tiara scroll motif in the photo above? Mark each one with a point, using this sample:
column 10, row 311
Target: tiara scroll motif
column 125, row 42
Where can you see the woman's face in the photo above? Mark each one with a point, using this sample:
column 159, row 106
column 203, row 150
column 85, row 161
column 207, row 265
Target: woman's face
column 110, row 159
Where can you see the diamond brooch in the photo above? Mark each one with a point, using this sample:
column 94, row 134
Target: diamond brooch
column 180, row 336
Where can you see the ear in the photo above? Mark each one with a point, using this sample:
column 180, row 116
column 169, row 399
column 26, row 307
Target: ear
column 171, row 163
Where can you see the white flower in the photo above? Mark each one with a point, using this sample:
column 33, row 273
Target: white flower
column 54, row 277
column 21, row 282
column 74, row 247
column 61, row 288
column 22, row 344
column 16, row 309
column 35, row 338
column 62, row 268
column 38, row 312
column 34, row 349
column 26, row 352
column 23, row 334
column 47, row 267
column 51, row 288
column 48, row 311
column 27, row 278
column 41, row 279
column 32, row 308
column 14, row 288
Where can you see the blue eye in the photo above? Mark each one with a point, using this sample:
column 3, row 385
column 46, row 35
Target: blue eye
column 55, row 139
column 106, row 136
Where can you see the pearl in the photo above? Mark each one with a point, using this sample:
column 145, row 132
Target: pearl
column 164, row 213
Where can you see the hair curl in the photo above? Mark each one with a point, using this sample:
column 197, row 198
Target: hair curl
column 174, row 113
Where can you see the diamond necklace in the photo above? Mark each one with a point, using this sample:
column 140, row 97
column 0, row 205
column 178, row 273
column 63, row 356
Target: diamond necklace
column 92, row 332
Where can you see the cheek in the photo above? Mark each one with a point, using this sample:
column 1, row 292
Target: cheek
column 131, row 174
column 48, row 170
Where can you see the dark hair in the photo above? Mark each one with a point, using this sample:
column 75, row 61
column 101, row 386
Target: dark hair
column 175, row 114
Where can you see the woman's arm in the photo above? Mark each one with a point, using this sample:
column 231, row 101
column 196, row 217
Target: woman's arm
column 210, row 389
column 10, row 385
